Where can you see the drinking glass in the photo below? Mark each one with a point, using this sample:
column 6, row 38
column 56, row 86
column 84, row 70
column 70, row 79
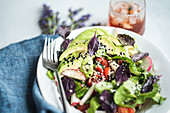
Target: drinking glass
column 128, row 14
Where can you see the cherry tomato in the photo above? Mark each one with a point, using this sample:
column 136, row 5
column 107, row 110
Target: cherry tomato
column 106, row 72
column 103, row 61
column 125, row 110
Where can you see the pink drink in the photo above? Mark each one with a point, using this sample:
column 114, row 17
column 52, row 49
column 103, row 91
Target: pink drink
column 127, row 15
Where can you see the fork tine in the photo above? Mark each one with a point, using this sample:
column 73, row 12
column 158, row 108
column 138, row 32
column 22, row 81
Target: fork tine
column 55, row 52
column 48, row 51
column 52, row 50
column 45, row 49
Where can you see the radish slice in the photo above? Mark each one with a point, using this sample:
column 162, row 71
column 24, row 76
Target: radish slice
column 146, row 63
column 74, row 73
column 87, row 95
column 74, row 100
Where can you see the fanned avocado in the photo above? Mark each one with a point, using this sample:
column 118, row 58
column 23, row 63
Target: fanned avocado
column 88, row 34
column 83, row 46
column 72, row 61
column 87, row 66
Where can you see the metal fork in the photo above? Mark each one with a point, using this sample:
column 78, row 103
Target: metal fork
column 50, row 61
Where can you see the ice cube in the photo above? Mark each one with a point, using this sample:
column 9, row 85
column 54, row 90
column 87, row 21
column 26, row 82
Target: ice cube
column 127, row 26
column 124, row 11
column 132, row 20
column 120, row 19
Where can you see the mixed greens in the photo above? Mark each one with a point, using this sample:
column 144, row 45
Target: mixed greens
column 104, row 72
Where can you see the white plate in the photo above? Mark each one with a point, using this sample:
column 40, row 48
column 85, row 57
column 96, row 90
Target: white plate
column 160, row 61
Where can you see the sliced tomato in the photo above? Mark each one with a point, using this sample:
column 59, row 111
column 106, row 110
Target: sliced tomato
column 103, row 61
column 131, row 110
column 83, row 107
column 125, row 110
column 99, row 68
column 107, row 72
column 89, row 83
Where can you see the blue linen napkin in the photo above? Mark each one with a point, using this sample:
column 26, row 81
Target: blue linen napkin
column 19, row 92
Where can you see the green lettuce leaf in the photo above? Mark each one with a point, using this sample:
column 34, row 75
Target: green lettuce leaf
column 94, row 104
column 133, row 68
column 127, row 93
column 101, row 86
column 158, row 98
column 50, row 74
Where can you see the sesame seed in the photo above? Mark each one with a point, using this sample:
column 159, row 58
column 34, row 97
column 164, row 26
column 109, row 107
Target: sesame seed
column 101, row 44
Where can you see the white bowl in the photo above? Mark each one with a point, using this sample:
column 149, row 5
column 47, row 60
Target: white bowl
column 160, row 61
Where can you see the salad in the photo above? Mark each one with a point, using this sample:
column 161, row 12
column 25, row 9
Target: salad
column 105, row 72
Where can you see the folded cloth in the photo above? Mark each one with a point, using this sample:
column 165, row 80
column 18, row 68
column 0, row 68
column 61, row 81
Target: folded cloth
column 19, row 92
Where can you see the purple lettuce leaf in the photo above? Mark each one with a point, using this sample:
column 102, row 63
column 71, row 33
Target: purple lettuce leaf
column 66, row 43
column 122, row 74
column 64, row 31
column 139, row 56
column 126, row 40
column 69, row 86
column 149, row 82
column 93, row 45
column 107, row 102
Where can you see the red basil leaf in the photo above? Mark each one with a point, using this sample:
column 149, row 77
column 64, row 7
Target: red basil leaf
column 122, row 74
column 107, row 102
column 66, row 44
column 150, row 81
column 93, row 45
column 64, row 31
column 139, row 56
column 126, row 40
column 69, row 86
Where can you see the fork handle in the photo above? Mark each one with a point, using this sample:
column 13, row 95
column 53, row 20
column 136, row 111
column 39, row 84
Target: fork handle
column 61, row 91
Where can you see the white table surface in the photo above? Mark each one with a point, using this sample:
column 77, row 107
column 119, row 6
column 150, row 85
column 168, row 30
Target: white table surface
column 19, row 18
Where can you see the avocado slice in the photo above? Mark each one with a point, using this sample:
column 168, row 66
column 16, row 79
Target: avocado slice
column 107, row 45
column 78, row 47
column 88, row 34
column 120, row 51
column 72, row 61
column 113, row 39
column 87, row 66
